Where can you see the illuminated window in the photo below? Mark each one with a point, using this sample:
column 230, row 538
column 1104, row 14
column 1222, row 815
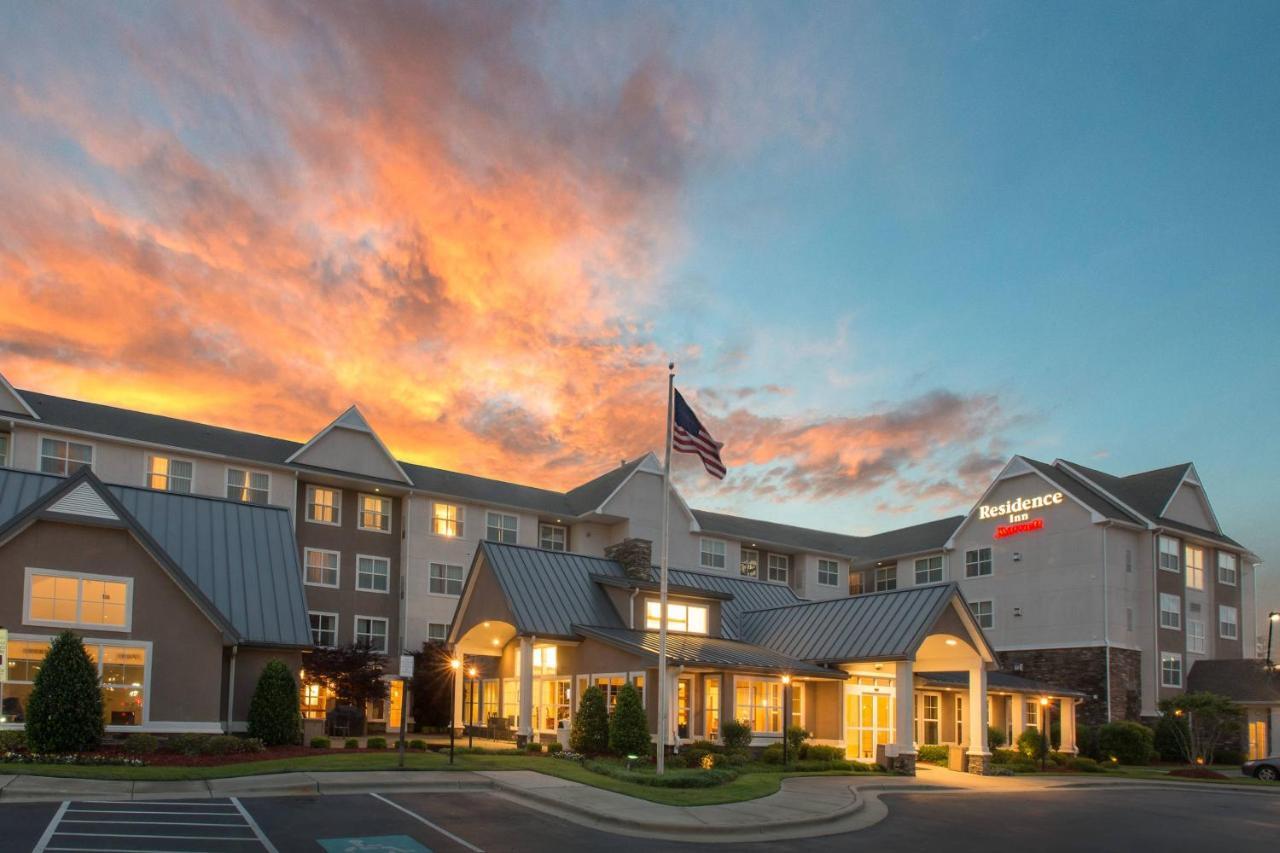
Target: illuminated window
column 929, row 570
column 373, row 574
column 321, row 567
column 1170, row 611
column 375, row 513
column 1032, row 717
column 1227, row 568
column 711, row 695
column 446, row 519
column 886, row 578
column 64, row 457
column 1195, row 567
column 553, row 537
column 122, row 674
column 828, row 572
column 930, row 717
column 1196, row 643
column 4, row 449
column 248, row 486
column 324, row 505
column 779, row 567
column 685, row 618
column 324, row 628
column 437, row 632
column 713, row 554
column 1170, row 669
column 759, row 705
column 59, row 598
column 977, row 563
column 169, row 475
column 984, row 612
column 544, row 660
column 372, row 632
column 749, row 563
column 500, row 527
column 855, row 583
column 1169, row 557
column 445, row 580
column 1228, row 623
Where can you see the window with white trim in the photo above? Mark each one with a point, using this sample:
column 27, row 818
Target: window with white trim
column 371, row 631
column 1170, row 611
column 122, row 675
column 749, row 563
column 553, row 537
column 930, row 717
column 324, row 505
column 1228, row 622
column 373, row 574
column 437, row 632
column 250, row 487
column 169, row 475
column 1031, row 719
column 4, row 449
column 1195, row 567
column 446, row 519
column 1170, row 554
column 928, row 570
column 68, row 599
column 1196, row 643
column 375, row 513
column 855, row 582
column 828, row 572
column 64, row 457
column 685, row 618
column 779, row 567
column 324, row 628
column 886, row 578
column 501, row 527
column 1227, row 573
column 712, row 554
column 445, row 579
column 984, row 613
column 322, row 568
column 758, row 704
column 977, row 563
column 1170, row 669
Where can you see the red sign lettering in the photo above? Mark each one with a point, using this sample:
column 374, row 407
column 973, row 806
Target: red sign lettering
column 1004, row 531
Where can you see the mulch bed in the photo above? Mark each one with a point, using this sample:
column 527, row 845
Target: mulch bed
column 169, row 759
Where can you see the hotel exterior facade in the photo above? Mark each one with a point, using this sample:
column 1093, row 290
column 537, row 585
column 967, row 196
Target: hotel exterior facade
column 1078, row 596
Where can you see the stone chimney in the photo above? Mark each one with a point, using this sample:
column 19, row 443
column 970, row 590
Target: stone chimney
column 635, row 555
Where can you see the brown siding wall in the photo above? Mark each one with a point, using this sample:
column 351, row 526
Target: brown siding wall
column 249, row 664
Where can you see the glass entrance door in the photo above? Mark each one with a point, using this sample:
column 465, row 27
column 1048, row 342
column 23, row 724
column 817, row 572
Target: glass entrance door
column 868, row 719
column 684, row 708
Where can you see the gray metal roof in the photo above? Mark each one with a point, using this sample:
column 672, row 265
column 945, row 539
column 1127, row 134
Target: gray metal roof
column 654, row 586
column 772, row 533
column 875, row 626
column 1240, row 679
column 240, row 559
column 551, row 591
column 748, row 594
column 998, row 681
column 691, row 649
column 929, row 536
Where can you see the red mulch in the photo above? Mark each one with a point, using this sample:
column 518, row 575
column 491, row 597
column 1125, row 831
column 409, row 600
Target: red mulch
column 1197, row 773
column 168, row 759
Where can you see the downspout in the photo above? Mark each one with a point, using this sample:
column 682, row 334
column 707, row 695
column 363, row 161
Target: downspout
column 405, row 532
column 1155, row 612
column 631, row 619
column 1106, row 620
column 231, row 688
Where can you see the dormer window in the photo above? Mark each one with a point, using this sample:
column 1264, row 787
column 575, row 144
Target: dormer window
column 685, row 618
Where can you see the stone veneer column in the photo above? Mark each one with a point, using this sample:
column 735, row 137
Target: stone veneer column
column 979, row 757
column 525, row 730
column 904, row 728
column 1067, row 726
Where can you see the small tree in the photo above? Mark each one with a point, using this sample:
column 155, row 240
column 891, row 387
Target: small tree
column 353, row 673
column 273, row 711
column 1031, row 743
column 995, row 737
column 1126, row 741
column 628, row 724
column 1210, row 719
column 736, row 734
column 590, row 732
column 64, row 713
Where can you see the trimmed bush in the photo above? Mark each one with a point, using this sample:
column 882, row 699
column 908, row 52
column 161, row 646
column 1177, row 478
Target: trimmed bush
column 376, row 743
column 821, row 752
column 590, row 732
column 186, row 744
column 696, row 757
column 1132, row 743
column 351, row 743
column 772, row 754
column 320, row 743
column 1087, row 742
column 674, row 779
column 677, row 760
column 64, row 711
column 708, row 745
column 1031, row 743
column 628, row 724
column 13, row 741
column 274, row 717
column 796, row 736
column 555, row 747
column 534, row 747
column 140, row 743
column 932, row 753
column 995, row 738
column 221, row 745
column 417, row 744
column 1084, row 765
column 737, row 758
column 737, row 735
column 1006, row 756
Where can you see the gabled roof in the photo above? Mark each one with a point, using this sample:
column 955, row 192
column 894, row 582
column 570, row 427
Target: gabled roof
column 353, row 420
column 12, row 401
column 691, row 650
column 1241, row 679
column 771, row 533
column 916, row 539
column 1148, row 492
column 747, row 594
column 548, row 592
column 237, row 562
column 1081, row 491
column 627, row 582
column 593, row 494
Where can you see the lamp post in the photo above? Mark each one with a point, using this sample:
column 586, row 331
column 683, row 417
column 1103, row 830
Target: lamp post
column 786, row 717
column 1047, row 722
column 454, row 666
column 1272, row 619
column 471, row 717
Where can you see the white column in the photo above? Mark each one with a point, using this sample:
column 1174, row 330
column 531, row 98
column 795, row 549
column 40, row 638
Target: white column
column 904, row 696
column 1018, row 718
column 978, row 721
column 526, row 687
column 1067, row 726
column 844, row 723
column 459, row 680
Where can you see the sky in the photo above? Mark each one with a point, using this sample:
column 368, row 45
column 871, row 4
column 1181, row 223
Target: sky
column 888, row 245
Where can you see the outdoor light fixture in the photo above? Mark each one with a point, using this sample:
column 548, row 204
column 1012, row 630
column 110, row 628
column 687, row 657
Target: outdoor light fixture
column 951, row 642
column 1047, row 725
column 1273, row 618
column 786, row 716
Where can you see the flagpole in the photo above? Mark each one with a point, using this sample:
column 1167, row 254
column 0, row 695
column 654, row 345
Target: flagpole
column 663, row 710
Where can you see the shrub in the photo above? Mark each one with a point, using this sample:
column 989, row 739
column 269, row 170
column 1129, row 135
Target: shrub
column 677, row 760
column 555, row 747
column 628, row 724
column 1087, row 742
column 695, row 756
column 1228, row 756
column 273, row 712
column 64, row 711
column 995, row 738
column 320, row 743
column 736, row 735
column 1084, row 765
column 772, row 754
column 376, row 743
column 1130, row 742
column 1031, row 743
column 351, row 743
column 932, row 753
column 1023, row 765
column 186, row 744
column 417, row 744
column 796, row 736
column 736, row 758
column 221, row 745
column 590, row 732
column 1000, row 771
column 821, row 752
column 1005, row 756
column 708, row 745
column 140, row 743
column 534, row 747
column 13, row 741
column 675, row 779
column 1059, row 759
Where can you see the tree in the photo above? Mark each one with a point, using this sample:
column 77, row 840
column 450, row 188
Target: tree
column 1210, row 719
column 64, row 713
column 273, row 711
column 590, row 732
column 628, row 724
column 353, row 673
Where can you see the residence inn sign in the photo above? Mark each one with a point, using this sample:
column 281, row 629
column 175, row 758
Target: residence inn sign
column 1018, row 513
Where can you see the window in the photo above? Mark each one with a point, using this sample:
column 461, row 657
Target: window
column 960, row 733
column 886, row 578
column 372, row 632
column 544, row 660
column 1227, row 568
column 1195, row 629
column 437, row 632
column 828, row 572
column 1170, row 669
column 1032, row 717
column 930, row 717
column 169, row 475
column 122, row 672
column 324, row 628
column 1169, row 557
column 251, row 487
column 375, row 513
column 984, row 612
column 324, row 506
column 1195, row 567
column 1228, row 623
column 4, row 448
column 446, row 519
column 1170, row 611
column 445, row 580
column 685, row 618
column 977, row 563
column 749, row 563
column 712, row 554
column 62, row 598
column 500, row 527
column 64, row 457
column 779, row 567
column 553, row 537
column 373, row 574
column 929, row 570
column 855, row 582
column 611, row 684
column 322, row 567
column 711, row 705
column 759, row 705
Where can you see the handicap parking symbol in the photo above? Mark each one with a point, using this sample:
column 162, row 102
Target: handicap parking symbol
column 373, row 844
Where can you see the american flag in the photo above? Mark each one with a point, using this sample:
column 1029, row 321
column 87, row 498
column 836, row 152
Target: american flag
column 688, row 435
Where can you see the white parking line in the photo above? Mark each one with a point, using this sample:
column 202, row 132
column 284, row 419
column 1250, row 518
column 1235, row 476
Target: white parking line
column 421, row 819
column 253, row 824
column 96, row 818
column 43, row 843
